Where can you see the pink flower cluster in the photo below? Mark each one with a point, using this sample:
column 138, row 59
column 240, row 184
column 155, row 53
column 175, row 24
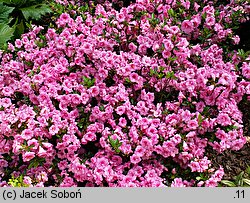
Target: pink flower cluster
column 129, row 98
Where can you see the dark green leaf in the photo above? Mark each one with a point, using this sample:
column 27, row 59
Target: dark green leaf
column 6, row 32
column 19, row 30
column 35, row 12
column 238, row 179
column 5, row 12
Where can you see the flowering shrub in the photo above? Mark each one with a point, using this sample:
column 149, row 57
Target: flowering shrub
column 125, row 98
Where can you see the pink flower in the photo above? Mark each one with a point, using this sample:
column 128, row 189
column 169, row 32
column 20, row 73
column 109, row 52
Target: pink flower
column 63, row 165
column 236, row 39
column 146, row 143
column 54, row 129
column 122, row 122
column 168, row 45
column 200, row 183
column 142, row 49
column 223, row 119
column 41, row 152
column 68, row 182
column 88, row 48
column 174, row 29
column 187, row 26
column 5, row 102
column 210, row 21
column 27, row 180
column 192, row 124
column 218, row 175
column 7, row 91
column 133, row 77
column 120, row 17
column 90, row 136
column 132, row 47
column 211, row 183
column 33, row 142
column 155, row 47
column 177, row 182
column 102, row 162
column 76, row 99
column 151, row 131
column 27, row 156
column 246, row 70
column 18, row 43
column 84, row 98
column 3, row 163
column 27, row 134
column 94, row 91
column 200, row 106
column 140, row 151
column 166, row 54
column 135, row 159
column 120, row 110
column 225, row 79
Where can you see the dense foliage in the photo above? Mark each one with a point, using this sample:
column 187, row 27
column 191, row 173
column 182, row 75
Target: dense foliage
column 124, row 97
column 15, row 16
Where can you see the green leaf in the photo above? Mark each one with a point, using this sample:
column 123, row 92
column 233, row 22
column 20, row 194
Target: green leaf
column 88, row 82
column 206, row 110
column 115, row 144
column 153, row 16
column 19, row 30
column 165, row 112
column 161, row 68
column 204, row 16
column 36, row 162
column 132, row 101
column 247, row 181
column 112, row 142
column 217, row 13
column 160, row 75
column 84, row 8
column 152, row 72
column 171, row 12
column 198, row 178
column 172, row 58
column 248, row 170
column 58, row 136
column 228, row 183
column 5, row 1
column 170, row 75
column 127, row 80
column 181, row 10
column 200, row 119
column 5, row 12
column 238, row 179
column 15, row 3
column 32, row 164
column 6, row 32
column 17, row 182
column 102, row 108
column 35, row 12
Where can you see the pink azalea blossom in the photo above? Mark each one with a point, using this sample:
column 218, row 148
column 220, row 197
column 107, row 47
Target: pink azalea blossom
column 27, row 156
column 187, row 26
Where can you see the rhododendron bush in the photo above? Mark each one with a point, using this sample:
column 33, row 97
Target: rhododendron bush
column 124, row 98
